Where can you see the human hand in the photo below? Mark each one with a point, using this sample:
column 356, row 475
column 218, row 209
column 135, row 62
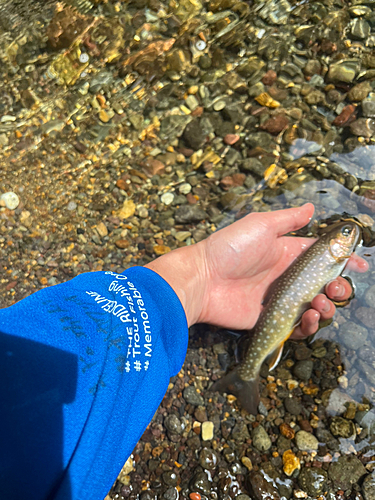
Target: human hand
column 223, row 280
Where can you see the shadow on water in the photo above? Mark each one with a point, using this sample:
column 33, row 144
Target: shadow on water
column 33, row 391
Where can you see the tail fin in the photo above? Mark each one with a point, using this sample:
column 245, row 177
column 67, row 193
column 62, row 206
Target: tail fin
column 246, row 391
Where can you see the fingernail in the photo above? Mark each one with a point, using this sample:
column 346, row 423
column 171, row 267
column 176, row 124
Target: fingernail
column 326, row 307
column 340, row 291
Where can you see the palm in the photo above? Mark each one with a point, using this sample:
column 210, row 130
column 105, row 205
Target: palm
column 242, row 265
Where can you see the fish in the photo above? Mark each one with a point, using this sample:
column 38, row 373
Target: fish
column 289, row 297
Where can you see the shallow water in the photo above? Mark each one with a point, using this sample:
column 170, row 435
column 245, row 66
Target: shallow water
column 131, row 128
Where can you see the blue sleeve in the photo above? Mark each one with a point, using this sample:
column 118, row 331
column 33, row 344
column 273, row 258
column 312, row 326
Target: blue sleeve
column 84, row 366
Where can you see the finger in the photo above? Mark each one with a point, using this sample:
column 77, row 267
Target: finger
column 357, row 264
column 292, row 219
column 339, row 289
column 323, row 306
column 308, row 326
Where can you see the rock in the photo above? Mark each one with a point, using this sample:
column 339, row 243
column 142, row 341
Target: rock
column 343, row 71
column 313, row 480
column 291, row 462
column 261, row 488
column 192, row 397
column 306, row 441
column 326, row 437
column 293, row 406
column 10, row 200
column 172, row 424
column 359, row 92
column 208, row 458
column 347, row 115
column 200, row 483
column 275, row 124
column 122, row 243
column 368, row 108
column 347, row 471
column 342, row 427
column 167, row 198
column 366, row 315
column 193, row 135
column 127, row 210
column 152, row 166
column 261, row 440
column 303, row 369
column 231, row 139
column 367, row 353
column 269, row 78
column 207, row 430
column 352, row 335
column 185, row 188
column 370, row 296
column 368, row 487
column 363, row 127
column 189, row 213
column 254, row 166
column 161, row 249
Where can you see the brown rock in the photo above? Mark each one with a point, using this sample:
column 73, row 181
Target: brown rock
column 231, row 139
column 122, row 243
column 11, row 285
column 151, row 167
column 198, row 111
column 269, row 78
column 287, row 431
column 275, row 124
column 347, row 116
column 234, row 180
column 191, row 199
column 305, row 425
column 161, row 249
column 122, row 184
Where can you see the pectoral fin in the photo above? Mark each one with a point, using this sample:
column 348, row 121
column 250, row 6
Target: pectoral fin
column 246, row 391
column 274, row 358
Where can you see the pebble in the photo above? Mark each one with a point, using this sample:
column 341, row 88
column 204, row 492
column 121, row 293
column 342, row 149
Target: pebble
column 368, row 487
column 173, row 424
column 353, row 335
column 161, row 249
column 293, row 406
column 190, row 213
column 303, row 369
column 207, row 430
column 192, row 397
column 231, row 139
column 102, row 229
column 347, row 471
column 185, row 188
column 291, row 462
column 191, row 102
column 167, row 198
column 342, row 427
column 122, row 243
column 10, row 200
column 306, row 441
column 207, row 457
column 127, row 210
column 261, row 440
column 182, row 235
column 247, row 463
column 313, row 480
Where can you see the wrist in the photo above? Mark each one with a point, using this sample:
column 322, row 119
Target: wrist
column 182, row 269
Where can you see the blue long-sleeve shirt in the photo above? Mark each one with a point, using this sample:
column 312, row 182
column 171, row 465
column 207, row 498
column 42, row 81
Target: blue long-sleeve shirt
column 83, row 368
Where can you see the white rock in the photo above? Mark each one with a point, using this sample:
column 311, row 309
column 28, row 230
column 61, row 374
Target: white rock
column 207, row 431
column 185, row 188
column 10, row 199
column 167, row 198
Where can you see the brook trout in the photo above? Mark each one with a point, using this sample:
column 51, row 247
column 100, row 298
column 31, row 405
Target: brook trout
column 289, row 299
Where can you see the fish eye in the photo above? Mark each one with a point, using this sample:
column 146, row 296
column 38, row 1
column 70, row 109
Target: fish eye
column 346, row 230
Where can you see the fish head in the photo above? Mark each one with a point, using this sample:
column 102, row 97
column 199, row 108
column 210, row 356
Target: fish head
column 343, row 238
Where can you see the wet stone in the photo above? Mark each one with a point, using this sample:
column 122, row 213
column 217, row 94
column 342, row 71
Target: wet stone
column 370, row 296
column 346, row 471
column 173, row 424
column 293, row 406
column 367, row 353
column 171, row 493
column 192, row 397
column 200, row 483
column 343, row 71
column 306, row 441
column 190, row 213
column 313, row 480
column 303, row 369
column 359, row 91
column 363, row 127
column 208, row 459
column 261, row 488
column 368, row 108
column 326, row 437
column 254, row 166
column 194, row 135
column 366, row 315
column 342, row 427
column 353, row 335
column 368, row 487
column 170, row 478
column 261, row 440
